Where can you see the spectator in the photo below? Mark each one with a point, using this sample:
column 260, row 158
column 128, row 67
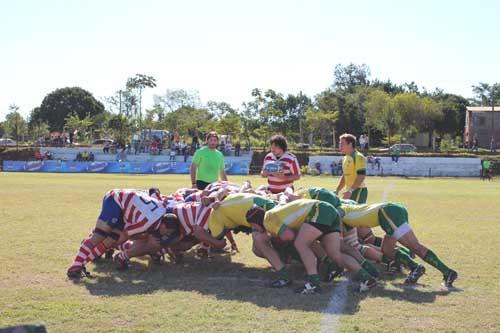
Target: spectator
column 493, row 145
column 172, row 155
column 91, row 157
column 318, row 167
column 237, row 148
column 475, row 143
column 374, row 161
column 395, row 152
column 186, row 154
column 486, row 169
column 105, row 149
column 208, row 164
column 154, row 147
column 362, row 141
column 333, row 168
column 289, row 170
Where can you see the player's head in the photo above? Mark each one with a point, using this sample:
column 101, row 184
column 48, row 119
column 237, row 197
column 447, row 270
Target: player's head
column 347, row 143
column 154, row 190
column 170, row 229
column 255, row 217
column 278, row 144
column 212, row 139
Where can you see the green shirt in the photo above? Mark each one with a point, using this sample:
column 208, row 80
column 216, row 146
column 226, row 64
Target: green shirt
column 209, row 163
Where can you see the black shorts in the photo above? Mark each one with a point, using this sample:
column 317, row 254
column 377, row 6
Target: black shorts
column 200, row 184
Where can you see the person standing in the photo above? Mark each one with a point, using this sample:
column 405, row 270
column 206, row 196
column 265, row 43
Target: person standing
column 208, row 163
column 288, row 170
column 353, row 170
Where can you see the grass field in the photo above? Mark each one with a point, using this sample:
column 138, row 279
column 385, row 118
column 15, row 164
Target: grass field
column 43, row 218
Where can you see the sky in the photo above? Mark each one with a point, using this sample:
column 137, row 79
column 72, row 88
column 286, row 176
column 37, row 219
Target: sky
column 225, row 48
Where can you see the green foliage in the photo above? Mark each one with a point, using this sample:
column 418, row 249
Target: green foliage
column 60, row 103
column 15, row 126
column 82, row 125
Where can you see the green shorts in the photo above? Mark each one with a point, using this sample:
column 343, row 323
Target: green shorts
column 360, row 195
column 393, row 219
column 324, row 217
column 328, row 196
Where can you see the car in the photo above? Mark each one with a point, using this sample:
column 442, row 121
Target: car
column 103, row 142
column 302, row 145
column 7, row 142
column 403, row 147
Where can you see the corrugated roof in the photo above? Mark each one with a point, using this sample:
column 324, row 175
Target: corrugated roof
column 482, row 108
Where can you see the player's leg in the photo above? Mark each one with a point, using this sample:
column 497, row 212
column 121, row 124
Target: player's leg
column 263, row 249
column 305, row 237
column 333, row 246
column 410, row 240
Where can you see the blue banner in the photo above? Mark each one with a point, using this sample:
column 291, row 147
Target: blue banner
column 232, row 168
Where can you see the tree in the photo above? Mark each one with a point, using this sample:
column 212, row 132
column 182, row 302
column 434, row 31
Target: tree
column 122, row 128
column 2, row 129
column 139, row 82
column 230, row 124
column 220, row 109
column 382, row 113
column 348, row 77
column 124, row 101
column 320, row 121
column 14, row 124
column 60, row 103
column 74, row 123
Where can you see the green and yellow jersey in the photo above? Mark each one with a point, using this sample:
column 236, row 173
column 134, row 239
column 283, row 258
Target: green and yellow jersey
column 352, row 166
column 294, row 214
column 321, row 194
column 232, row 212
column 389, row 216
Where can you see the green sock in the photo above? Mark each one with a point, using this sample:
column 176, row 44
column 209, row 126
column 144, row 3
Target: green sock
column 386, row 259
column 283, row 274
column 362, row 275
column 370, row 268
column 432, row 259
column 403, row 249
column 405, row 259
column 314, row 279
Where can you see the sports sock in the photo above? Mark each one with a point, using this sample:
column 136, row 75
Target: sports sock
column 432, row 259
column 82, row 255
column 314, row 279
column 362, row 275
column 370, row 268
column 405, row 259
column 283, row 274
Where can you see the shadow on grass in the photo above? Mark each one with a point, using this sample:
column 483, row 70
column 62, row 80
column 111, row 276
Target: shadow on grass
column 227, row 280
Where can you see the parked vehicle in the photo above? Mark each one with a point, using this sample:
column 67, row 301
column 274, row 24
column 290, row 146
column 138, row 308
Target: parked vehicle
column 7, row 142
column 403, row 147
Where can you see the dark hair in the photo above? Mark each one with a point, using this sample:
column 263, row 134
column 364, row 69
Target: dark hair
column 212, row 134
column 256, row 215
column 171, row 221
column 154, row 190
column 280, row 141
column 349, row 138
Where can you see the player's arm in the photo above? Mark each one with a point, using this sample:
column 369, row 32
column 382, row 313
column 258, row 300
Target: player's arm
column 204, row 236
column 223, row 175
column 340, row 185
column 194, row 166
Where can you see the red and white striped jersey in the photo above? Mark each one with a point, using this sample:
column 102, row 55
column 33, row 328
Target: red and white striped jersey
column 228, row 186
column 191, row 214
column 290, row 166
column 141, row 212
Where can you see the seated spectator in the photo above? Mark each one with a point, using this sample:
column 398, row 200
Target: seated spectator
column 154, row 147
column 318, row 167
column 91, row 157
column 395, row 154
column 374, row 161
column 78, row 157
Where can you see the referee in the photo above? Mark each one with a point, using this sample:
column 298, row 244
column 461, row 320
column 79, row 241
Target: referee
column 208, row 164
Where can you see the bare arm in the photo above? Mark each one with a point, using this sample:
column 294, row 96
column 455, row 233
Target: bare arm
column 357, row 182
column 340, row 185
column 205, row 236
column 223, row 175
column 193, row 173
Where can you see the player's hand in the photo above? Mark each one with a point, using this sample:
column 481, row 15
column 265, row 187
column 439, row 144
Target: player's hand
column 216, row 205
column 265, row 173
column 220, row 244
column 347, row 195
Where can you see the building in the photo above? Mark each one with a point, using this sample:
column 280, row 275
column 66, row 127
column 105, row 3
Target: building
column 482, row 122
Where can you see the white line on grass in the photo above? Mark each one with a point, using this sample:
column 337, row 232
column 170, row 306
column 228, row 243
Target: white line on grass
column 336, row 305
